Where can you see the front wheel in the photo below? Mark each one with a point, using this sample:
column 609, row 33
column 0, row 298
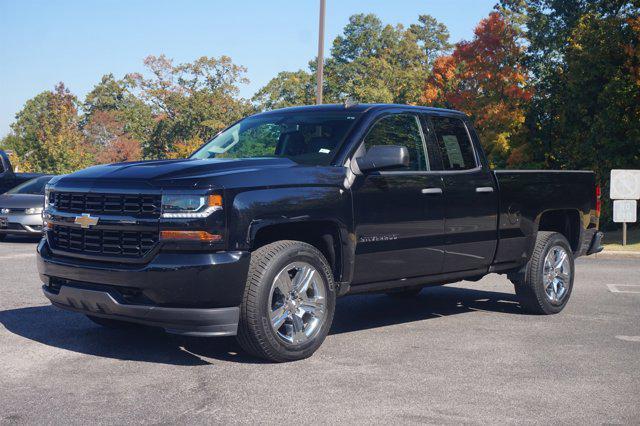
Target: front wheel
column 289, row 302
column 545, row 286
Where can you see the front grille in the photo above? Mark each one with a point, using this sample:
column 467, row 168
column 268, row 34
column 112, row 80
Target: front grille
column 103, row 242
column 114, row 204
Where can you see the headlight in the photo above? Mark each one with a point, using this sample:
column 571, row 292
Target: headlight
column 188, row 206
column 47, row 194
column 33, row 210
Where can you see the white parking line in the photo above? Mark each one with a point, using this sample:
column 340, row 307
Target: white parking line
column 17, row 256
column 629, row 338
column 624, row 288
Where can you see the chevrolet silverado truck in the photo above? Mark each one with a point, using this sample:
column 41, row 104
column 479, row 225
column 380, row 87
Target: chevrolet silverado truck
column 262, row 228
column 10, row 179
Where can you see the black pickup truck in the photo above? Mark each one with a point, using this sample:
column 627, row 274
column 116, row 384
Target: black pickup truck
column 259, row 231
column 10, row 179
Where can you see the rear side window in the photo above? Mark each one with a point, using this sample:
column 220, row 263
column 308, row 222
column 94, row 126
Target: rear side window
column 455, row 145
column 401, row 130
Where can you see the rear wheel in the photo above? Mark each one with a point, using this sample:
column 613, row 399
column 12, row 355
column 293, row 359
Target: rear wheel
column 545, row 285
column 288, row 303
column 2, row 237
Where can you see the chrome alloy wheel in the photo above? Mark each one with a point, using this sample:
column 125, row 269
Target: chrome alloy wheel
column 297, row 303
column 556, row 274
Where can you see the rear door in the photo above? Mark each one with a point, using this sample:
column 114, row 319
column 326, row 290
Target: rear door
column 399, row 214
column 471, row 200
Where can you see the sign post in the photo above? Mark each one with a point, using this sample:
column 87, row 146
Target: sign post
column 625, row 191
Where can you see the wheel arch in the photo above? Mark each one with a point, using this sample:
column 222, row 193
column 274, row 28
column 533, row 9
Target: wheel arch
column 564, row 221
column 328, row 236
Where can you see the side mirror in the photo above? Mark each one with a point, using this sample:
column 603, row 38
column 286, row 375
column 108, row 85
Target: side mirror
column 380, row 157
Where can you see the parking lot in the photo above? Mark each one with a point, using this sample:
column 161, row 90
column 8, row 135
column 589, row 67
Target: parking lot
column 462, row 353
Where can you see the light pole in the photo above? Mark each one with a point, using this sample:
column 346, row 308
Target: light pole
column 320, row 64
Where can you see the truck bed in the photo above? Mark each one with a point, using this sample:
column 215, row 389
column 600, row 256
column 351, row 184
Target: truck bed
column 524, row 197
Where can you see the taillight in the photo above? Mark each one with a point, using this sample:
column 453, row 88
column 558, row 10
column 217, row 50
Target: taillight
column 598, row 200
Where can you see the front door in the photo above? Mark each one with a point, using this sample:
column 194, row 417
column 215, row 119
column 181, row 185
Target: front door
column 399, row 214
column 470, row 198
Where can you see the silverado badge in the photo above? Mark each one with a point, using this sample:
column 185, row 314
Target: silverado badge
column 86, row 221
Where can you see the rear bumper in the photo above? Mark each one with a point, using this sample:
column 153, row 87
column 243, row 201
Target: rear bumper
column 186, row 293
column 187, row 321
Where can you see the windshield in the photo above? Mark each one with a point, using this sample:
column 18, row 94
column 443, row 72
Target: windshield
column 32, row 186
column 309, row 137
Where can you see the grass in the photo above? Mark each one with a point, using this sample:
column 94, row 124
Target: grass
column 613, row 239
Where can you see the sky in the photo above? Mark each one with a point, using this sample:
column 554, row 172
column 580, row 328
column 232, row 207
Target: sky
column 76, row 42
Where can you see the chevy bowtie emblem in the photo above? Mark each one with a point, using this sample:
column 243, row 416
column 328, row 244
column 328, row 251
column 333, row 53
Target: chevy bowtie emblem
column 86, row 221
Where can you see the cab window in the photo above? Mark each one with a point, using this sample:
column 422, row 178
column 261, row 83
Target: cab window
column 454, row 143
column 401, row 130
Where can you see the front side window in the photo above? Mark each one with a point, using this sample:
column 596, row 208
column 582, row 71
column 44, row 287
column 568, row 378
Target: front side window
column 454, row 143
column 402, row 130
column 307, row 137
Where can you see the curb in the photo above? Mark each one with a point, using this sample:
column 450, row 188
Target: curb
column 612, row 254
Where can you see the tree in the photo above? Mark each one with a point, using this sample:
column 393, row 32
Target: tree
column 372, row 62
column 109, row 140
column 46, row 136
column 116, row 123
column 432, row 36
column 190, row 100
column 486, row 79
column 369, row 62
column 287, row 89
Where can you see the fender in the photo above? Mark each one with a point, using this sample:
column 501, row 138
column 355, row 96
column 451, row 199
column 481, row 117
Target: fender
column 253, row 210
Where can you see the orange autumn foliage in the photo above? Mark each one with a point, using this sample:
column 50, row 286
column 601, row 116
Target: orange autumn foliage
column 485, row 78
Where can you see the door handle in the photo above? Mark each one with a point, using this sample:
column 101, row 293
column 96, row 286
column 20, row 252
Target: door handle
column 484, row 189
column 431, row 191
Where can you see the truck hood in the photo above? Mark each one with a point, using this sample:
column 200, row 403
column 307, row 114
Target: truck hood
column 214, row 173
column 178, row 169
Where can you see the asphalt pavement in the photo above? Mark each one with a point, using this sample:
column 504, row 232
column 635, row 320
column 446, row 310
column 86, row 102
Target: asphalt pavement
column 461, row 353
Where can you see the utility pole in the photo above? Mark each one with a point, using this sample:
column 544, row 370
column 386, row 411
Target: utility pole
column 320, row 65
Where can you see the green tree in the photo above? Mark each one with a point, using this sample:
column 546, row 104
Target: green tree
column 372, row 62
column 190, row 101
column 287, row 89
column 432, row 36
column 585, row 64
column 46, row 136
column 369, row 62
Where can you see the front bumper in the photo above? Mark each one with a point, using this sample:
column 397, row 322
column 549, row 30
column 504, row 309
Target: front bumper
column 186, row 321
column 24, row 224
column 185, row 293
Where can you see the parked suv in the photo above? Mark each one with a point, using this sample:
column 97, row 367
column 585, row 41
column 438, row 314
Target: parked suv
column 261, row 229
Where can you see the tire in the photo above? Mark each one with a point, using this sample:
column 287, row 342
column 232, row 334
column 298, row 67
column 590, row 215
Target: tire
column 264, row 299
column 2, row 237
column 537, row 286
column 112, row 323
column 404, row 293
